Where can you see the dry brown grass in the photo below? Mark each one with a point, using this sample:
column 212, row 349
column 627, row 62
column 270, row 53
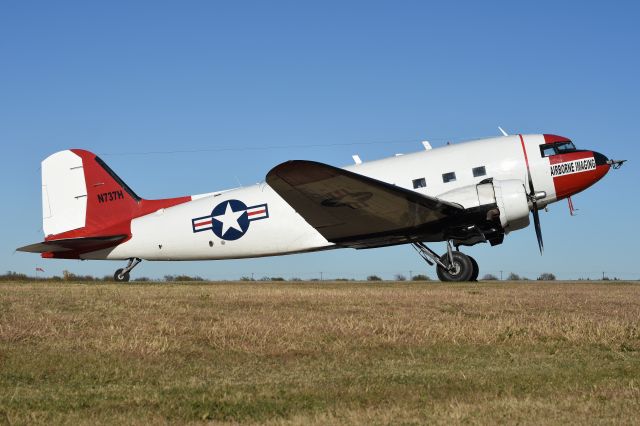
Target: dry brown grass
column 286, row 353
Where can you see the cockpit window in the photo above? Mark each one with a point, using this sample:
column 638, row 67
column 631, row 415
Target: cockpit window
column 565, row 146
column 549, row 149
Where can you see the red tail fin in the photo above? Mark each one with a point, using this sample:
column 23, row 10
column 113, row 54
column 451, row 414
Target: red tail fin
column 109, row 203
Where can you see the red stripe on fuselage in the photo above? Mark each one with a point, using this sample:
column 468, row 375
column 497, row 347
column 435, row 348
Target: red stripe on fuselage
column 526, row 159
column 256, row 212
column 524, row 149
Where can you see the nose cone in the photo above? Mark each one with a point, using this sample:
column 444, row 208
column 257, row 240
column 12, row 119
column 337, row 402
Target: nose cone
column 574, row 172
column 601, row 160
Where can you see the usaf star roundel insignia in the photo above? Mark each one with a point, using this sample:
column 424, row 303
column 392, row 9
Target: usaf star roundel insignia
column 230, row 219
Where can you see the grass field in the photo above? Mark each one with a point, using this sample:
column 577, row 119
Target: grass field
column 320, row 353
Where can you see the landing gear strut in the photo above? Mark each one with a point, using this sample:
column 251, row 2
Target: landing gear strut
column 122, row 274
column 451, row 266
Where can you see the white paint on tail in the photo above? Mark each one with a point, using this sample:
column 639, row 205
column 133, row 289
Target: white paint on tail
column 64, row 193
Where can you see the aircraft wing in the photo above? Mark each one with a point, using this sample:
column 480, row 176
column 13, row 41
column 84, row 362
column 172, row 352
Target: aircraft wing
column 74, row 244
column 353, row 210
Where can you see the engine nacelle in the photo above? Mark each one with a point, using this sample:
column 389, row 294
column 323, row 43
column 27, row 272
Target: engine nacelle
column 509, row 196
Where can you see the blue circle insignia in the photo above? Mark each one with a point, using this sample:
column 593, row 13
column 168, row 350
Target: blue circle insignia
column 230, row 220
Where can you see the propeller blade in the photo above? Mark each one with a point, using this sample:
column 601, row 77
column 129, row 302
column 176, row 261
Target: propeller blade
column 532, row 197
column 536, row 222
column 536, row 214
column 531, row 188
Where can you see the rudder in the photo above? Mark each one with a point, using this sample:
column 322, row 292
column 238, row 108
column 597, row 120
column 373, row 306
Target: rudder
column 64, row 192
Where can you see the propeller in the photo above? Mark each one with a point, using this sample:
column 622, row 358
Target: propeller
column 534, row 197
column 536, row 222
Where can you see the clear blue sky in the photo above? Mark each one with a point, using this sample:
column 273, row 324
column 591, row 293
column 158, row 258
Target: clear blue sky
column 120, row 78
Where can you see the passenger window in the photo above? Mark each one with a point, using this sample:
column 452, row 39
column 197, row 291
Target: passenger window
column 419, row 183
column 479, row 171
column 449, row 177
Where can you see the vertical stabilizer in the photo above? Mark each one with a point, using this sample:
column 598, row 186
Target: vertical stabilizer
column 83, row 198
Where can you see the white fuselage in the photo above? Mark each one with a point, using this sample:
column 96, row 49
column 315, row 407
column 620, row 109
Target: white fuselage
column 171, row 234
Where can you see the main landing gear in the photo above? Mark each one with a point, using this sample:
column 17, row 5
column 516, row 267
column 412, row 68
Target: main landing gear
column 122, row 274
column 451, row 266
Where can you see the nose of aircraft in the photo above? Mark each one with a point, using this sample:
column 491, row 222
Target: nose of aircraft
column 601, row 160
column 577, row 171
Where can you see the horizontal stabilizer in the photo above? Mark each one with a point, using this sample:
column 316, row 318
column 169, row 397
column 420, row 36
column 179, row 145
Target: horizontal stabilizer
column 74, row 244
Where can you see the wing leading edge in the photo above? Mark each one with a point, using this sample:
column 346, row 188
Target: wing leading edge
column 353, row 210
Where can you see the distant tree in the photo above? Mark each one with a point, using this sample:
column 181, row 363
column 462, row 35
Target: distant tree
column 489, row 277
column 70, row 276
column 277, row 279
column 400, row 277
column 180, row 278
column 245, row 278
column 341, row 279
column 374, row 278
column 295, row 279
column 14, row 276
column 142, row 279
column 420, row 277
column 513, row 277
column 265, row 278
column 547, row 276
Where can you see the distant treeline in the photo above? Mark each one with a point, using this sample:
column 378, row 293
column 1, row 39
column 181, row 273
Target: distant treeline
column 71, row 277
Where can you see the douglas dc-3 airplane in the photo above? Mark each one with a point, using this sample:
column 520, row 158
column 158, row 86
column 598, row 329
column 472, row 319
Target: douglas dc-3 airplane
column 462, row 194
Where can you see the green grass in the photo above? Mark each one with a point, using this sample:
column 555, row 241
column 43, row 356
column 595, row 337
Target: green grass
column 300, row 353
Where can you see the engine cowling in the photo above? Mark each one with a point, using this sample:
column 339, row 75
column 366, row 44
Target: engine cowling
column 509, row 196
column 512, row 202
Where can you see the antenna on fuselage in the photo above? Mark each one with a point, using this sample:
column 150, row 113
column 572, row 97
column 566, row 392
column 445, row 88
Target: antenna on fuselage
column 426, row 145
column 356, row 159
column 502, row 131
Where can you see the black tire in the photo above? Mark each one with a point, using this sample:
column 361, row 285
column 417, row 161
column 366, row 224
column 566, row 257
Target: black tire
column 463, row 268
column 120, row 277
column 476, row 270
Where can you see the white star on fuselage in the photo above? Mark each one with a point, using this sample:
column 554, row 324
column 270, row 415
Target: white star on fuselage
column 229, row 219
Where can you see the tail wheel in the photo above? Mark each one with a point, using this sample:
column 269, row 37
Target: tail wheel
column 476, row 270
column 120, row 277
column 461, row 268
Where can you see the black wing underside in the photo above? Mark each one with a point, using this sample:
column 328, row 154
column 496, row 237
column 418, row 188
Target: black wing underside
column 353, row 210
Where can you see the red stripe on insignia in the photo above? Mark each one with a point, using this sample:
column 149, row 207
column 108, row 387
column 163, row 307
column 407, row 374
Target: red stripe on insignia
column 256, row 212
column 203, row 223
